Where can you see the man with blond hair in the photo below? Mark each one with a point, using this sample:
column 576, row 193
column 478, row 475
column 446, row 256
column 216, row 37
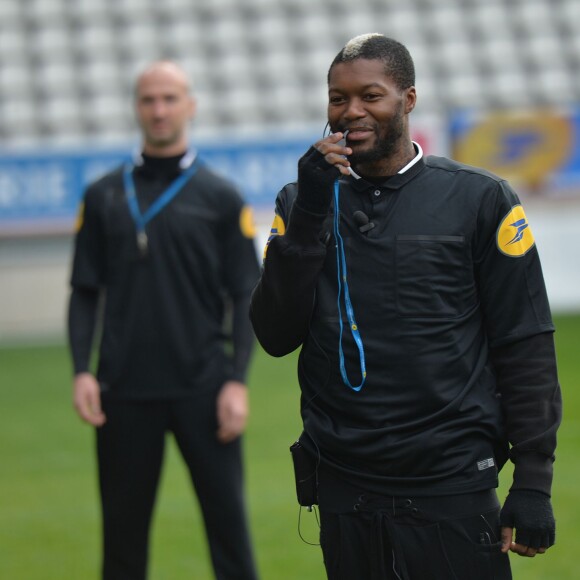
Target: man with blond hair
column 414, row 288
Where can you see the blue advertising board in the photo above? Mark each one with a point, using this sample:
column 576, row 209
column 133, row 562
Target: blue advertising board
column 40, row 191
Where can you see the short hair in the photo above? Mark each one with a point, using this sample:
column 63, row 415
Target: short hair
column 395, row 57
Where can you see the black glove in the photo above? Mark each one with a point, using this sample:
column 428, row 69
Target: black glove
column 530, row 513
column 316, row 179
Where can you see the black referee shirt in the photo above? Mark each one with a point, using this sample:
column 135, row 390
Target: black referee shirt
column 163, row 331
column 449, row 270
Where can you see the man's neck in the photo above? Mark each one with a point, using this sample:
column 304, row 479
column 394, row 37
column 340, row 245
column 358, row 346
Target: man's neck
column 172, row 150
column 166, row 167
column 388, row 166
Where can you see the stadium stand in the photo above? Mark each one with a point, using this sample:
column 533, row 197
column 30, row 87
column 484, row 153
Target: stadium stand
column 66, row 65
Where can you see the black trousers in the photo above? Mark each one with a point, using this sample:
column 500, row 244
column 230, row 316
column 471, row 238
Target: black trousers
column 448, row 538
column 130, row 449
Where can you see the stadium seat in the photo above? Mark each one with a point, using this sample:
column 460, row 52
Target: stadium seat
column 254, row 61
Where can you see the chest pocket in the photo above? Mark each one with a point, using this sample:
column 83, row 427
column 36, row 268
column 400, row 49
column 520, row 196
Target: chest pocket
column 434, row 276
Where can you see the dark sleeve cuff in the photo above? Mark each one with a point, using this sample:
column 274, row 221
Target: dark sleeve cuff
column 239, row 377
column 533, row 471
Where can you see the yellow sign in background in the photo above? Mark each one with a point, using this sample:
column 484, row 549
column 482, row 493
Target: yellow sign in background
column 523, row 147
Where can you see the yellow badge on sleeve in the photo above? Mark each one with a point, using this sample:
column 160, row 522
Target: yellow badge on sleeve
column 80, row 218
column 247, row 223
column 514, row 235
column 278, row 229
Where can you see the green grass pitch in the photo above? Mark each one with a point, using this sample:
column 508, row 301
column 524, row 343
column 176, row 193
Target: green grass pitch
column 49, row 519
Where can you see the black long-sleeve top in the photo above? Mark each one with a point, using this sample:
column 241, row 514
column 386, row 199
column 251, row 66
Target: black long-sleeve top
column 168, row 314
column 453, row 315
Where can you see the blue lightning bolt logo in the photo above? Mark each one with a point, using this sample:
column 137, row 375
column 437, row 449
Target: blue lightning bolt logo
column 520, row 226
column 519, row 243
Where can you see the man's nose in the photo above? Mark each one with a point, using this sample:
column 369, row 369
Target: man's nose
column 159, row 108
column 355, row 109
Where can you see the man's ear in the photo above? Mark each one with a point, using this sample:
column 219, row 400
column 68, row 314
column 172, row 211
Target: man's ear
column 410, row 99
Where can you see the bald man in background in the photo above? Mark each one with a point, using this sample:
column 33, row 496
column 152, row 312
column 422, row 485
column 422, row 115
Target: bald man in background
column 164, row 255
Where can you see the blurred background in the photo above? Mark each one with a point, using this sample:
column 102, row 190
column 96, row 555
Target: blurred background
column 498, row 84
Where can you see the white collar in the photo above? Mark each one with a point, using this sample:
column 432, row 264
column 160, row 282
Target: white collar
column 184, row 162
column 408, row 166
column 415, row 159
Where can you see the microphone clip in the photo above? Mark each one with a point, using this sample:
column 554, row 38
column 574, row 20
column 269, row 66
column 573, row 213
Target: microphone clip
column 364, row 229
column 362, row 221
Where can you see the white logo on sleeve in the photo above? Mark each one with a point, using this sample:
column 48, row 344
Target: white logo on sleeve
column 485, row 464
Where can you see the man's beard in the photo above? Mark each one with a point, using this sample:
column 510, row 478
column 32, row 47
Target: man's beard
column 385, row 146
column 162, row 140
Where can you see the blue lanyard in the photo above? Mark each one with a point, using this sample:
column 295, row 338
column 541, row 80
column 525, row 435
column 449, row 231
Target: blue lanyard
column 141, row 219
column 343, row 284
